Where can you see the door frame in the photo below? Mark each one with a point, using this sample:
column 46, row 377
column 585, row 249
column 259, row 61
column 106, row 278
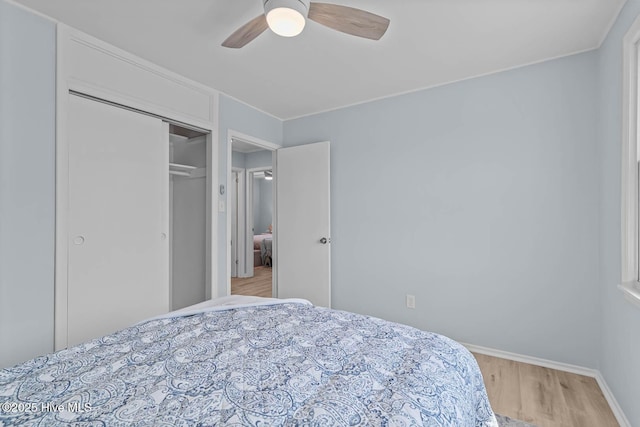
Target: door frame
column 265, row 145
column 241, row 220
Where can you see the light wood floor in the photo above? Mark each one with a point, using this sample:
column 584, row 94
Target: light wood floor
column 544, row 397
column 259, row 285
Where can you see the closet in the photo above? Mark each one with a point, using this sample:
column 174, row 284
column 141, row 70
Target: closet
column 187, row 216
column 136, row 183
column 136, row 219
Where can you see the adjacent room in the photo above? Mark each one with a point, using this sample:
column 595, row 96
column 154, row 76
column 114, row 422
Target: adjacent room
column 251, row 211
column 287, row 212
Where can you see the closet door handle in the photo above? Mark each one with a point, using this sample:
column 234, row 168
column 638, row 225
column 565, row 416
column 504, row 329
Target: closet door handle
column 163, row 236
column 78, row 240
column 324, row 240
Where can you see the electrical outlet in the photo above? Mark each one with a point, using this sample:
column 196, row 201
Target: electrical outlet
column 411, row 301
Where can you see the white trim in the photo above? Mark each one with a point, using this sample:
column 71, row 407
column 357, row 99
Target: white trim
column 227, row 198
column 631, row 292
column 231, row 135
column 97, row 64
column 611, row 400
column 574, row 369
column 565, row 367
column 213, row 184
column 242, row 225
column 241, row 271
column 274, row 230
column 30, row 10
column 121, row 55
column 67, row 80
column 629, row 166
column 266, row 113
column 136, row 103
column 60, row 325
column 167, row 215
column 211, row 227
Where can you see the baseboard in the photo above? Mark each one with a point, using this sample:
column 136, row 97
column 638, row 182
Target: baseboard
column 613, row 403
column 574, row 369
column 566, row 367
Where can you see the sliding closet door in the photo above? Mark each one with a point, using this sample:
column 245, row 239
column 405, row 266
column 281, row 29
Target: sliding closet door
column 118, row 218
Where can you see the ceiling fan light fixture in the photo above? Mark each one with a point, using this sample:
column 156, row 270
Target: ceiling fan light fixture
column 286, row 18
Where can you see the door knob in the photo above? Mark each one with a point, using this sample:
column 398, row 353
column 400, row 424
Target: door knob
column 324, row 240
column 78, row 240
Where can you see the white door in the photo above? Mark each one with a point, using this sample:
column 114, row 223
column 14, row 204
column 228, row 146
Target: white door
column 303, row 223
column 118, row 270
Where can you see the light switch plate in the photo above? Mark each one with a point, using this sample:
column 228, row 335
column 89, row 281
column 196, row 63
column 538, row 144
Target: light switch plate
column 411, row 301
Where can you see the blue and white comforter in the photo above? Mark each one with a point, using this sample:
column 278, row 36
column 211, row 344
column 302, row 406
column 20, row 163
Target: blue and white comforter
column 281, row 364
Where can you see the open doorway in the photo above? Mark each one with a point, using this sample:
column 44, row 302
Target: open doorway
column 251, row 213
column 301, row 222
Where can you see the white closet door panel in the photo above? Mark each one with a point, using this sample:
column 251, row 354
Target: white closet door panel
column 118, row 219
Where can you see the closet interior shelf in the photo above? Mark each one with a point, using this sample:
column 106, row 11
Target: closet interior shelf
column 181, row 170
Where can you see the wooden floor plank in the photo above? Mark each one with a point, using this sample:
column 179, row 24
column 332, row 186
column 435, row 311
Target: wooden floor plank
column 542, row 396
column 503, row 385
column 260, row 285
column 596, row 406
column 573, row 389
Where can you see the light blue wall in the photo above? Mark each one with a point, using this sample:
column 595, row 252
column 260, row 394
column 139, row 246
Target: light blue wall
column 234, row 115
column 481, row 199
column 27, row 184
column 262, row 205
column 262, row 191
column 259, row 159
column 257, row 193
column 620, row 351
column 238, row 160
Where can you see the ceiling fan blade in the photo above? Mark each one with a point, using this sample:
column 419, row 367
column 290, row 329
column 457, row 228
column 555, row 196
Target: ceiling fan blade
column 349, row 20
column 246, row 33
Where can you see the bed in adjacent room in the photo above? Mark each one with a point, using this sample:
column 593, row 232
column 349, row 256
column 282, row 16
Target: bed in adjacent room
column 262, row 249
column 247, row 361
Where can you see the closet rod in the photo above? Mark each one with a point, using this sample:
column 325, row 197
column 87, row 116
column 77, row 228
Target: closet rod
column 135, row 110
column 181, row 167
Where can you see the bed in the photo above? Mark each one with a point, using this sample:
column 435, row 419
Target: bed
column 262, row 252
column 247, row 361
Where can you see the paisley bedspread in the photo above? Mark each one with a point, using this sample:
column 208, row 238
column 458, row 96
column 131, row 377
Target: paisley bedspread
column 284, row 363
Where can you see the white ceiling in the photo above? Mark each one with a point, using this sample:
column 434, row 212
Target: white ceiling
column 429, row 43
column 244, row 147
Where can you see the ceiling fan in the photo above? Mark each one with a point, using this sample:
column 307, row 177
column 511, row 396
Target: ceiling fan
column 288, row 17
